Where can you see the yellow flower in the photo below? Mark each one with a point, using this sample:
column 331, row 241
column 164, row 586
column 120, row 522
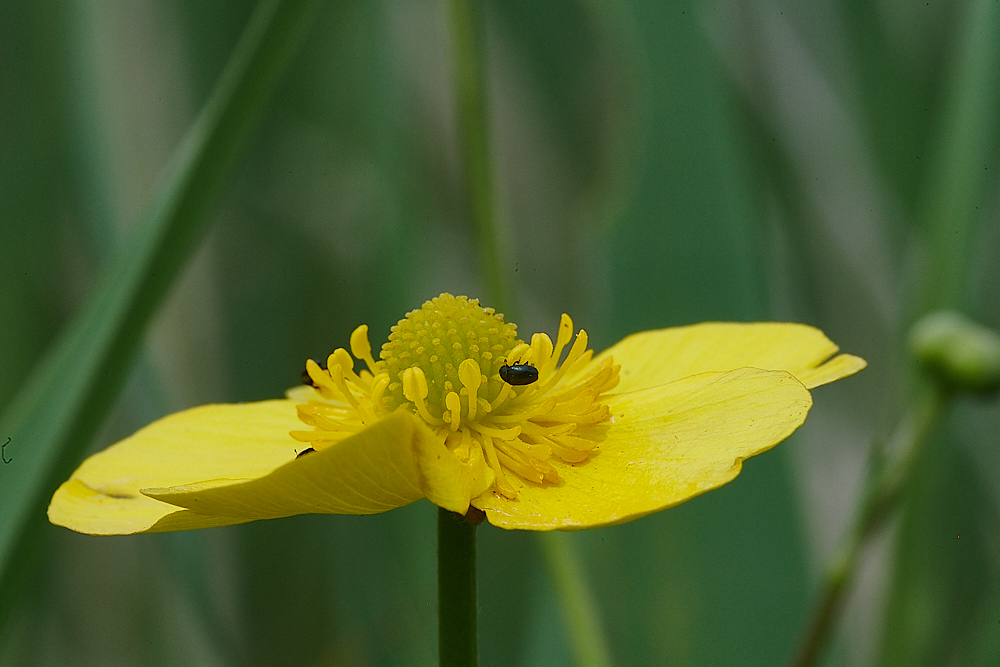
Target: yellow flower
column 597, row 440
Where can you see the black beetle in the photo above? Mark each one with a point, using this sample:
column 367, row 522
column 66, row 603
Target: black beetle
column 518, row 374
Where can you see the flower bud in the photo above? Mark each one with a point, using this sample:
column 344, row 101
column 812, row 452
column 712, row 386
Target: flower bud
column 959, row 352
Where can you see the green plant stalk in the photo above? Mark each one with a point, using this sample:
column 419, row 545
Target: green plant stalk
column 457, row 597
column 882, row 496
column 471, row 108
column 579, row 609
column 66, row 398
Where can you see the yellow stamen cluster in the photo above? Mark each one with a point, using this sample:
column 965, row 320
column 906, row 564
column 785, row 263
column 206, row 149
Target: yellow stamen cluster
column 442, row 363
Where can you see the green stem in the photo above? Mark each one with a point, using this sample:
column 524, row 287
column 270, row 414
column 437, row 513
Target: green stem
column 474, row 144
column 457, row 604
column 892, row 470
column 579, row 609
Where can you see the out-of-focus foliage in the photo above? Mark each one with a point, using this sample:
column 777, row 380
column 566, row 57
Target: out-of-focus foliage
column 657, row 164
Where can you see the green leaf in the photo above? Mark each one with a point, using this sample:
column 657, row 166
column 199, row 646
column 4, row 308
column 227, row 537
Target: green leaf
column 67, row 396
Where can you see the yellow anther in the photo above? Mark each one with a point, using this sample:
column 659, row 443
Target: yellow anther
column 367, row 414
column 576, row 353
column 501, row 433
column 341, row 357
column 337, row 375
column 415, row 391
column 568, row 454
column 542, row 408
column 520, row 467
column 541, row 347
column 362, row 349
column 472, row 378
column 414, row 385
column 443, row 359
column 379, row 384
column 540, row 452
column 454, row 404
column 565, row 333
column 578, row 349
column 345, row 361
column 321, row 379
column 521, row 353
column 500, row 483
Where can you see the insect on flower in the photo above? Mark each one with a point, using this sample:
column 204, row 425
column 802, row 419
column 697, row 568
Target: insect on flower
column 595, row 440
column 518, row 374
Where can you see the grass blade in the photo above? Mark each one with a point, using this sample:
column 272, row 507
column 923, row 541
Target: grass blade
column 67, row 396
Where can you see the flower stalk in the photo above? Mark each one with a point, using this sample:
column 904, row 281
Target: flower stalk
column 457, row 597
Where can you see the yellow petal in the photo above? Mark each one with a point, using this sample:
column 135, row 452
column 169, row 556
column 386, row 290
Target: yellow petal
column 372, row 471
column 237, row 441
column 666, row 444
column 656, row 357
column 219, row 465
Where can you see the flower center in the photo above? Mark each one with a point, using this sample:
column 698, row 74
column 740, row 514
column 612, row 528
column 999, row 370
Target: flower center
column 442, row 357
column 442, row 363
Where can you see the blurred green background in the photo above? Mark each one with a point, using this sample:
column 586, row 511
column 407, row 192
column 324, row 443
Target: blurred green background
column 656, row 164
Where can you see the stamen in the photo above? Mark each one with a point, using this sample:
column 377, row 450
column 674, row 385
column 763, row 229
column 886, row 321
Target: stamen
column 538, row 431
column 528, row 467
column 535, row 451
column 379, row 384
column 319, row 439
column 321, row 379
column 541, row 344
column 467, row 442
column 573, row 442
column 448, row 353
column 505, row 391
column 565, row 333
column 526, row 471
column 541, row 409
column 519, row 353
column 314, row 414
column 337, row 375
column 343, row 358
column 501, row 433
column 336, row 411
column 579, row 364
column 579, row 348
column 501, row 483
column 454, row 404
column 594, row 416
column 471, row 378
column 580, row 404
column 362, row 349
column 367, row 414
column 566, row 453
column 415, row 391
